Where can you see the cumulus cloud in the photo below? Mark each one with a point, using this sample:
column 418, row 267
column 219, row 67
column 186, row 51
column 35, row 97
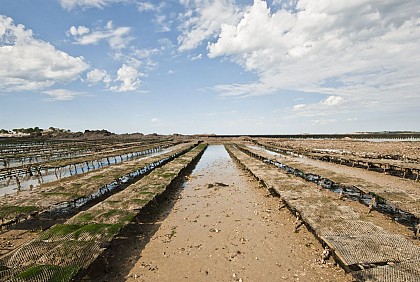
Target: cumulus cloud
column 129, row 79
column 354, row 51
column 332, row 101
column 27, row 63
column 328, row 106
column 203, row 20
column 78, row 31
column 62, row 94
column 117, row 38
column 95, row 76
column 71, row 4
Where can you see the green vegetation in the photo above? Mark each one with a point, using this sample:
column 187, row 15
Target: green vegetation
column 62, row 230
column 65, row 273
column 141, row 202
column 85, row 217
column 95, row 177
column 146, row 193
column 167, row 175
column 108, row 216
column 112, row 213
column 61, row 274
column 36, row 270
column 29, row 130
column 59, row 230
column 15, row 210
column 103, row 229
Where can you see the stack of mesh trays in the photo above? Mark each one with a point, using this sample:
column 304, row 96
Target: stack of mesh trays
column 381, row 256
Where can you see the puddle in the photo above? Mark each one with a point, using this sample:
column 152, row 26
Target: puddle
column 212, row 155
column 11, row 185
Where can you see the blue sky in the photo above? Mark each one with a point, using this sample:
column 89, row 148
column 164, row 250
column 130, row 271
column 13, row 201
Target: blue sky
column 210, row 66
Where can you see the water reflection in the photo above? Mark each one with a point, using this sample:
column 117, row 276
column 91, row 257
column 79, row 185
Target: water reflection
column 211, row 155
column 12, row 184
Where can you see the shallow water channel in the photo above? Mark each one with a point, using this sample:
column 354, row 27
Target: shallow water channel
column 211, row 155
column 222, row 227
column 10, row 186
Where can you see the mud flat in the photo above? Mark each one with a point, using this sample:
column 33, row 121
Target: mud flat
column 399, row 198
column 225, row 227
column 367, row 251
column 64, row 250
column 400, row 159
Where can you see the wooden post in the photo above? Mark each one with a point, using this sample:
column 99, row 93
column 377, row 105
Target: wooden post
column 372, row 204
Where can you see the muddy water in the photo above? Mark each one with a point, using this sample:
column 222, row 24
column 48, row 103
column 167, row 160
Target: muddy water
column 224, row 227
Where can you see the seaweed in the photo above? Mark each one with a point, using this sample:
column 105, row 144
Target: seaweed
column 15, row 210
column 60, row 274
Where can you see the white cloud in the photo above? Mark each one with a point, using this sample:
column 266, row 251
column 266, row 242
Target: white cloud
column 129, row 78
column 363, row 52
column 71, row 4
column 95, row 76
column 117, row 38
column 62, row 94
column 329, row 106
column 27, row 63
column 332, row 101
column 197, row 57
column 138, row 57
column 146, row 6
column 78, row 31
column 203, row 20
column 162, row 20
column 322, row 121
column 299, row 107
column 163, row 23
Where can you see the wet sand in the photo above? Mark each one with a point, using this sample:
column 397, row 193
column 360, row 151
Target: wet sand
column 224, row 227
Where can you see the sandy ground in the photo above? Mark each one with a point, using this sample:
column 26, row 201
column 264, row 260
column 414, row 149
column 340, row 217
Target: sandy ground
column 224, row 227
column 409, row 186
column 366, row 177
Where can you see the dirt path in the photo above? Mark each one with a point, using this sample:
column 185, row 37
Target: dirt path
column 224, row 228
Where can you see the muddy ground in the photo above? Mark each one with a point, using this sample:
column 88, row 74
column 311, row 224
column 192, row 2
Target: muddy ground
column 399, row 150
column 220, row 226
